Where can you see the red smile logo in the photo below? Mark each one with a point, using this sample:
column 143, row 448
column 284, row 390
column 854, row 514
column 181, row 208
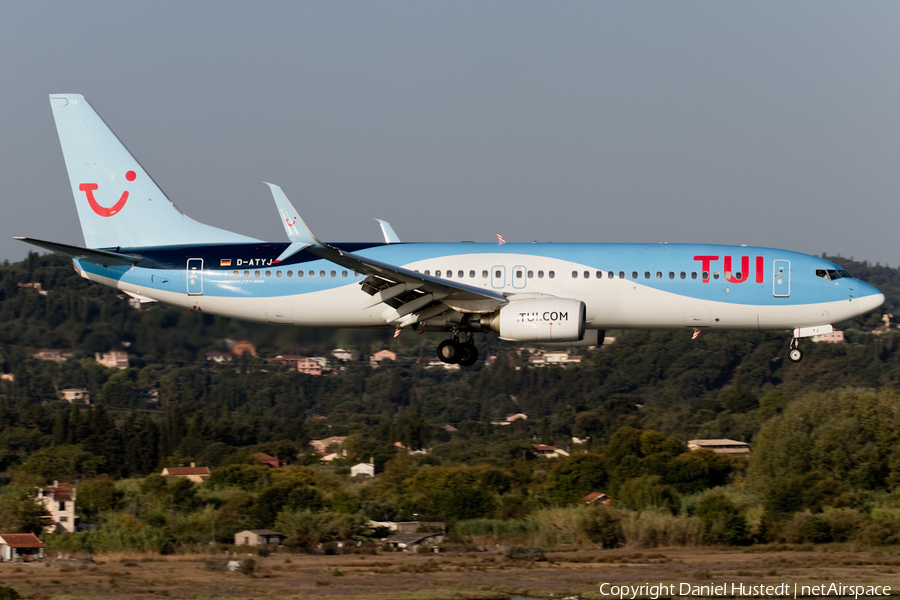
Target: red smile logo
column 88, row 189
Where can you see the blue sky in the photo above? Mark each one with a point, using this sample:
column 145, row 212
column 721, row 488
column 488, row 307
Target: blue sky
column 764, row 123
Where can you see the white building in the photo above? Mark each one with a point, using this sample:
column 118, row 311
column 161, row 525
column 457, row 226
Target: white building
column 367, row 469
column 113, row 360
column 75, row 396
column 59, row 500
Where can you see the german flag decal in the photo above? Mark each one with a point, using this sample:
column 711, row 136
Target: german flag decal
column 225, row 262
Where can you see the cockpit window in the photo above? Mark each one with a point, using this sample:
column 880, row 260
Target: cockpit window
column 832, row 274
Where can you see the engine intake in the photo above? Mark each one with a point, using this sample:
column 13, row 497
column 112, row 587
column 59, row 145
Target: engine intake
column 541, row 320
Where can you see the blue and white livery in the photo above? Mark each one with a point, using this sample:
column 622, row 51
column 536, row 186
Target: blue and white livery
column 561, row 294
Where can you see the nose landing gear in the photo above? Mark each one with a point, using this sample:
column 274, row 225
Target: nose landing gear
column 453, row 351
column 795, row 354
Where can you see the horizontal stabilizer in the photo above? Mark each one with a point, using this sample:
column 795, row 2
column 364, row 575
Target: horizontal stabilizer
column 96, row 256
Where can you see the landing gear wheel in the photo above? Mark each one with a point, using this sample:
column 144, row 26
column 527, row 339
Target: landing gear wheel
column 796, row 355
column 469, row 355
column 450, row 351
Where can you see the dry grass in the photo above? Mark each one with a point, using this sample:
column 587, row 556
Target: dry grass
column 401, row 576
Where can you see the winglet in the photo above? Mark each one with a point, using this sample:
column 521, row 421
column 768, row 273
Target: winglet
column 389, row 236
column 295, row 227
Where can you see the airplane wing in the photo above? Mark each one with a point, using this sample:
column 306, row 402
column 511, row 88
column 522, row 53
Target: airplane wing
column 95, row 256
column 409, row 296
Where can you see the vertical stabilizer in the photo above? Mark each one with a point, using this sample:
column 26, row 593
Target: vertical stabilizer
column 118, row 203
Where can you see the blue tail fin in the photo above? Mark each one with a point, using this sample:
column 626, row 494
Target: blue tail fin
column 118, row 203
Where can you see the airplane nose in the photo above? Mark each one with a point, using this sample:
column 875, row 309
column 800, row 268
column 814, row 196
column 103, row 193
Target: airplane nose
column 869, row 296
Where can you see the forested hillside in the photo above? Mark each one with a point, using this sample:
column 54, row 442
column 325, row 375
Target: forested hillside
column 633, row 403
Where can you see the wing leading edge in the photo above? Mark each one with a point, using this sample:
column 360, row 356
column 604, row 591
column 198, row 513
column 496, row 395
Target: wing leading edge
column 410, row 296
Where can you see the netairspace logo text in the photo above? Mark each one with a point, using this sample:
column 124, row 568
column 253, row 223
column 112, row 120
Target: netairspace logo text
column 731, row 590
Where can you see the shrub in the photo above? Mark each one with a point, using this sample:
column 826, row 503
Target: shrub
column 8, row 593
column 722, row 520
column 247, row 567
column 535, row 553
column 603, row 525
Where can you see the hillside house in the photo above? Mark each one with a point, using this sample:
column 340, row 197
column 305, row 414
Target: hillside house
column 367, row 469
column 59, row 500
column 115, row 359
column 312, row 365
column 193, row 472
column 258, row 537
column 75, row 396
column 57, row 356
column 321, row 446
column 341, row 354
column 20, row 547
column 720, row 446
column 265, row 459
column 548, row 451
column 381, row 355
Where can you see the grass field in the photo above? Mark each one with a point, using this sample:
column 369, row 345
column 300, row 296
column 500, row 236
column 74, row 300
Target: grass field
column 471, row 575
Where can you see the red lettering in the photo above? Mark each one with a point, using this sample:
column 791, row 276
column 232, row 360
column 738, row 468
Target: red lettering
column 760, row 267
column 705, row 260
column 745, row 270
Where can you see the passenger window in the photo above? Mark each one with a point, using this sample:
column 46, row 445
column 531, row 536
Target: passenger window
column 484, row 273
column 437, row 273
column 312, row 273
column 343, row 273
column 268, row 274
column 621, row 274
column 611, row 274
column 246, row 274
column 518, row 274
column 256, row 274
column 587, row 274
column 634, row 274
column 693, row 274
column 427, row 272
column 321, row 273
column 334, row 273
column 299, row 273
column 278, row 274
column 646, row 274
column 449, row 274
column 705, row 275
column 683, row 275
column 715, row 274
column 540, row 274
column 574, row 274
column 498, row 273
column 599, row 274
column 551, row 274
column 659, row 274
column 460, row 274
column 737, row 275
column 671, row 274
column 530, row 274
column 290, row 273
column 471, row 274
column 235, row 274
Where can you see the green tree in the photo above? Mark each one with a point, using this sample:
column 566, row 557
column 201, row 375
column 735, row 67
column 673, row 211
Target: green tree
column 576, row 476
column 21, row 512
column 641, row 493
column 66, row 462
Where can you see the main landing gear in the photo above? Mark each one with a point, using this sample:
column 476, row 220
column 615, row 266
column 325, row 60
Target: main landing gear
column 453, row 351
column 796, row 354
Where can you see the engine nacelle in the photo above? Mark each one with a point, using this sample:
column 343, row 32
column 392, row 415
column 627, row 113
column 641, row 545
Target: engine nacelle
column 542, row 320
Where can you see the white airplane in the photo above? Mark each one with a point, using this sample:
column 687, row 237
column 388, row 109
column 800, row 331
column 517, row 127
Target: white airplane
column 556, row 294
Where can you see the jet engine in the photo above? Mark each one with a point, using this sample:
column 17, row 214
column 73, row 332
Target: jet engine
column 540, row 320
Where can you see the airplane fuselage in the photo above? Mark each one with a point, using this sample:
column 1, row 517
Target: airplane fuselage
column 659, row 286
